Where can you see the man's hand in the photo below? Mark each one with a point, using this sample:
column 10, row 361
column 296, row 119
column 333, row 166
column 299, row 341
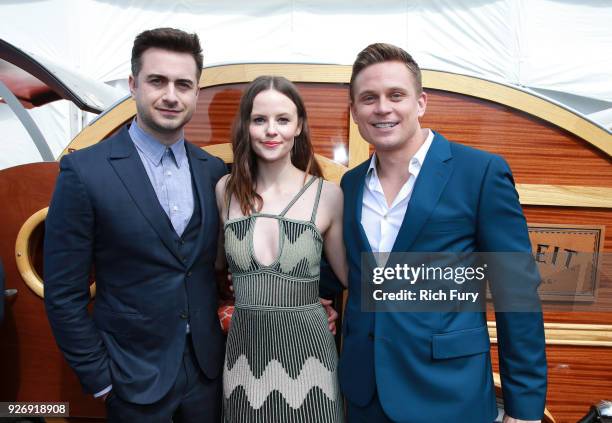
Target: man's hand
column 332, row 315
column 508, row 419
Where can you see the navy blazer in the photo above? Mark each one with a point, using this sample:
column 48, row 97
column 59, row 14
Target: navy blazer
column 436, row 366
column 104, row 215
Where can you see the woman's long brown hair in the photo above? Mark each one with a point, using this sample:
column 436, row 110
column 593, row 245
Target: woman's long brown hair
column 242, row 182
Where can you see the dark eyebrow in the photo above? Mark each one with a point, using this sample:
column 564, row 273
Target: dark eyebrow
column 154, row 75
column 165, row 78
column 367, row 92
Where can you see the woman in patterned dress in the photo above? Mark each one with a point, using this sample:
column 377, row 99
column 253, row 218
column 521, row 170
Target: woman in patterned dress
column 279, row 215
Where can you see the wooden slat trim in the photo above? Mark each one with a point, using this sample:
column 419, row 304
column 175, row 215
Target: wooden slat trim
column 564, row 195
column 296, row 72
column 570, row 334
column 25, row 266
column 223, row 151
column 359, row 149
column 332, row 171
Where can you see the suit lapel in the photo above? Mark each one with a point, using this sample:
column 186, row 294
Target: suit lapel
column 429, row 186
column 201, row 177
column 127, row 164
column 357, row 202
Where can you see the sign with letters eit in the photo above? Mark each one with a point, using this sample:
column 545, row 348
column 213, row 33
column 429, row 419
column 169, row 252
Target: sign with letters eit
column 568, row 257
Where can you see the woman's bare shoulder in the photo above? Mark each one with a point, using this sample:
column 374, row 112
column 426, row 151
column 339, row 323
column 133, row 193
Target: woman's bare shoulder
column 331, row 194
column 221, row 185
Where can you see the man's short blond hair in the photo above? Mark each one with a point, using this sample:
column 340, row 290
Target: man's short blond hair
column 382, row 52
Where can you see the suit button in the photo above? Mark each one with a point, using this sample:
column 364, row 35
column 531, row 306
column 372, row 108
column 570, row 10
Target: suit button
column 184, row 316
column 189, row 274
column 184, row 259
column 371, row 336
column 182, row 242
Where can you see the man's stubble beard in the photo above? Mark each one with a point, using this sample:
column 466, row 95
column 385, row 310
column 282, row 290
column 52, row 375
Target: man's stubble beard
column 166, row 126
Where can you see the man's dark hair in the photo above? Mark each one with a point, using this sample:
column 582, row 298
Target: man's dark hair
column 379, row 53
column 170, row 39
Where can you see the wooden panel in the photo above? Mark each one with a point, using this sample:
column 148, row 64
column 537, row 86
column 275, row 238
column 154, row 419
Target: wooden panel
column 577, row 378
column 538, row 152
column 212, row 121
column 561, row 215
column 31, row 365
column 328, row 113
column 539, row 214
column 339, row 74
column 327, row 106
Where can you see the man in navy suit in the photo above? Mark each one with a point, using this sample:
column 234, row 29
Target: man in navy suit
column 422, row 193
column 138, row 210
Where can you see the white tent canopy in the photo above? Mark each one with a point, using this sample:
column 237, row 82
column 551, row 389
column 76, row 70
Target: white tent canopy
column 559, row 48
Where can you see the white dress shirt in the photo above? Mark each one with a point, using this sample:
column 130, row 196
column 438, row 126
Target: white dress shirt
column 381, row 222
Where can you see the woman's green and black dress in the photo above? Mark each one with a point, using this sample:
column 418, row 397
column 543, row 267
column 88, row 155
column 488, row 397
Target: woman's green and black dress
column 280, row 363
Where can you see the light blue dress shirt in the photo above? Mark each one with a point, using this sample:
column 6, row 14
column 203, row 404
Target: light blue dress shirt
column 169, row 173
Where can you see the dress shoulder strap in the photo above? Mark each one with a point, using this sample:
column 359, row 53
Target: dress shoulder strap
column 316, row 202
column 298, row 195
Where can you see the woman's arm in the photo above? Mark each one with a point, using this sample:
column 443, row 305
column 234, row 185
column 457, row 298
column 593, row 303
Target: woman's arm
column 332, row 201
column 220, row 263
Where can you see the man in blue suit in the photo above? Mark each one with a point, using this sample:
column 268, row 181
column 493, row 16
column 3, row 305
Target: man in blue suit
column 138, row 211
column 422, row 193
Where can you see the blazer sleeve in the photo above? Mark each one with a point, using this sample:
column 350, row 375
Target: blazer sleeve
column 221, row 169
column 68, row 252
column 502, row 228
column 329, row 284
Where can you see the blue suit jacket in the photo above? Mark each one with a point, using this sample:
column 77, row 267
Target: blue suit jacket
column 105, row 215
column 436, row 366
